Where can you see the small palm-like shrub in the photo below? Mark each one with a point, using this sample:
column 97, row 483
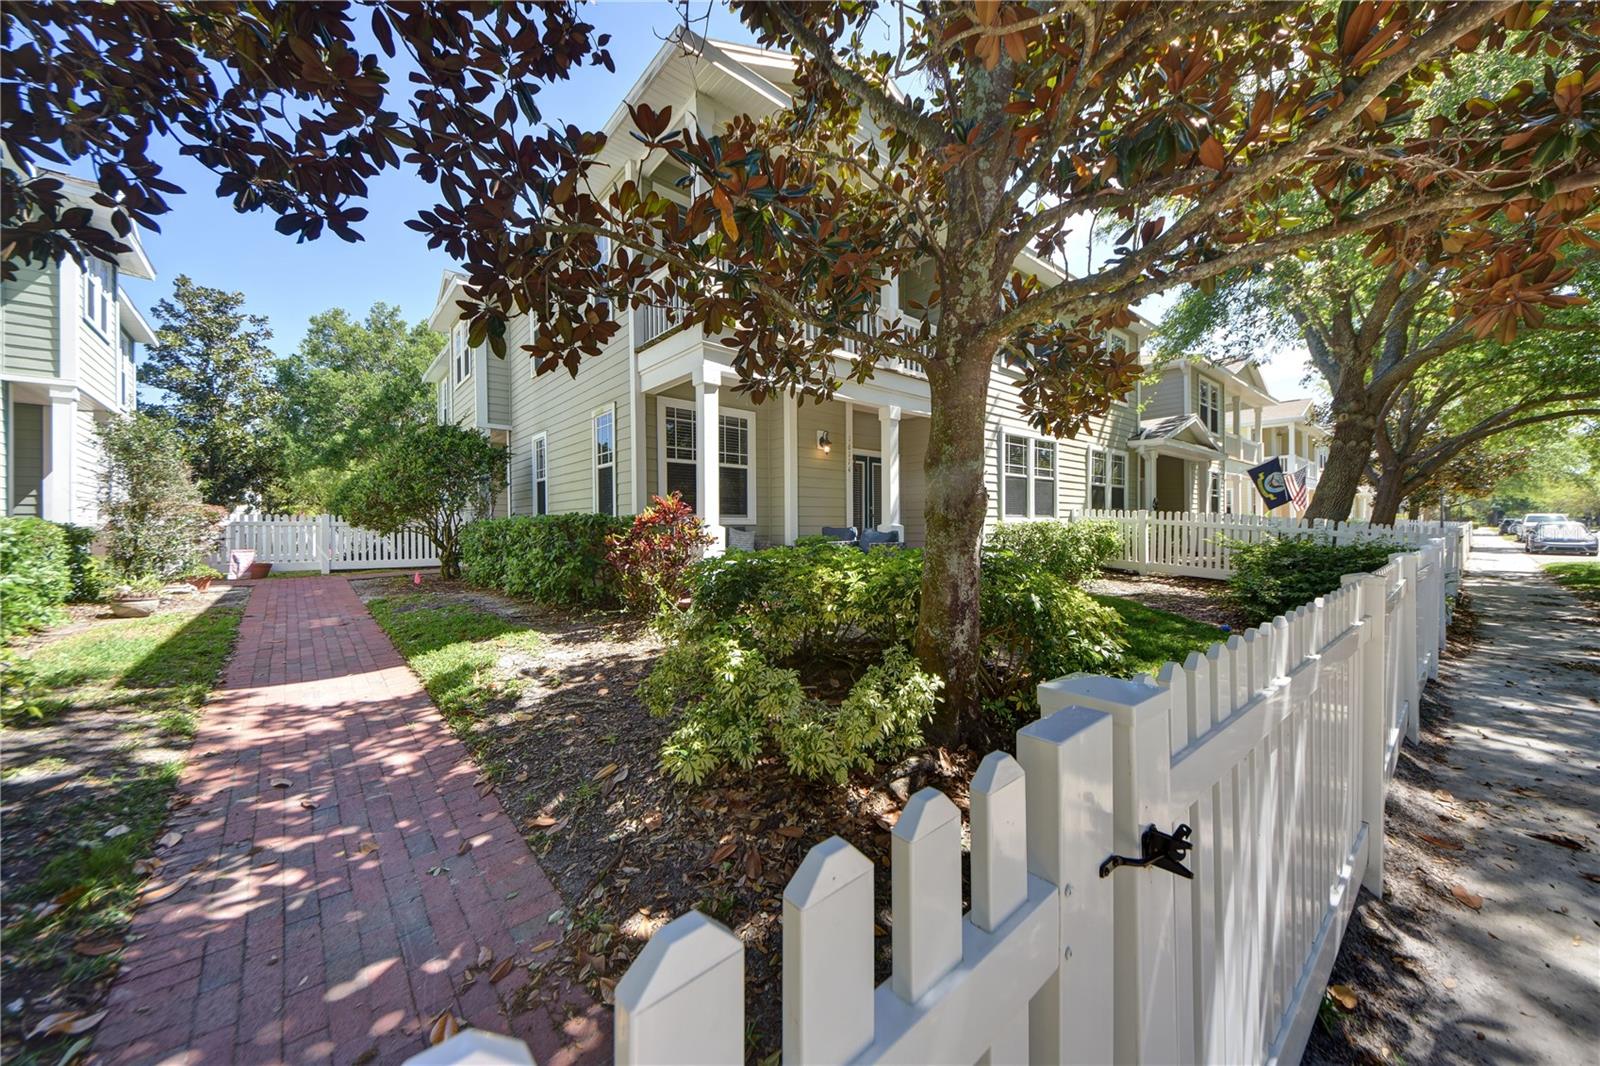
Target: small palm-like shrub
column 652, row 557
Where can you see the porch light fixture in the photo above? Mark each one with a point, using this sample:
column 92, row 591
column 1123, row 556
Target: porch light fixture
column 824, row 442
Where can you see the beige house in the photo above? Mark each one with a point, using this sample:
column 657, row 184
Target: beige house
column 68, row 335
column 1199, row 432
column 659, row 412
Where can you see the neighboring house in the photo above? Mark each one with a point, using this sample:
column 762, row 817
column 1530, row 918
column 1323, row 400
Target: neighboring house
column 1291, row 433
column 1199, row 432
column 659, row 412
column 68, row 335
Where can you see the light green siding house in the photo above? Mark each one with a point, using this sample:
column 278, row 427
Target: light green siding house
column 660, row 411
column 68, row 335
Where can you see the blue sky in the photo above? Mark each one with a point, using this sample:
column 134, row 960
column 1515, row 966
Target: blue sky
column 287, row 282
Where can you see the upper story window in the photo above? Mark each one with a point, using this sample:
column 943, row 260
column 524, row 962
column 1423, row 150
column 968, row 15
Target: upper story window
column 460, row 353
column 125, row 374
column 444, row 403
column 1211, row 405
column 98, row 295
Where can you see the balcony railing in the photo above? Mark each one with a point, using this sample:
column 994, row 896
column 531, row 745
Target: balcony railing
column 1244, row 449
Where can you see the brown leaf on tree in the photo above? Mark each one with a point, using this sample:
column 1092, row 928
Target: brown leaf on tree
column 1211, row 153
column 1467, row 898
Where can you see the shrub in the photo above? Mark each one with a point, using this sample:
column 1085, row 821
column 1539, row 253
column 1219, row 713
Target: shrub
column 1073, row 551
column 558, row 559
column 430, row 480
column 652, row 557
column 1036, row 626
column 156, row 523
column 1275, row 576
column 735, row 705
column 34, row 575
column 87, row 573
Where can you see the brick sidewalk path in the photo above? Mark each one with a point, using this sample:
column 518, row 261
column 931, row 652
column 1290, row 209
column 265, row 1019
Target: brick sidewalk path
column 332, row 919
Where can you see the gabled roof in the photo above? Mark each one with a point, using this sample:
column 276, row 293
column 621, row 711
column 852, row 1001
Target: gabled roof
column 133, row 263
column 1180, row 429
column 1300, row 409
column 452, row 287
column 131, row 321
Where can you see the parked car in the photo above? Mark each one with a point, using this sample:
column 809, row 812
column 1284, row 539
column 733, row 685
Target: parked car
column 1508, row 526
column 1531, row 520
column 1563, row 537
column 1514, row 527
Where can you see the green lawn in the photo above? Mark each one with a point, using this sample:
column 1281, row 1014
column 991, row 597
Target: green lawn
column 1582, row 578
column 95, row 726
column 454, row 649
column 1157, row 637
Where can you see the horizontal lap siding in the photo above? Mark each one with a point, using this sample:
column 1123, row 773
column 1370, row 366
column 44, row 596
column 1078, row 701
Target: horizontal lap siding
column 914, row 479
column 1165, row 399
column 99, row 360
column 822, row 477
column 561, row 406
column 30, row 329
column 501, row 371
column 90, row 458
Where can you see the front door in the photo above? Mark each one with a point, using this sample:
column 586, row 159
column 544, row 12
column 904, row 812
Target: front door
column 866, row 492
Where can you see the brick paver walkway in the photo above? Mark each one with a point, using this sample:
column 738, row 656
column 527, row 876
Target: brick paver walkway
column 331, row 918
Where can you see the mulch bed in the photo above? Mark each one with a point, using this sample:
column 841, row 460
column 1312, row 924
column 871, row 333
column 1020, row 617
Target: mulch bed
column 1193, row 597
column 576, row 764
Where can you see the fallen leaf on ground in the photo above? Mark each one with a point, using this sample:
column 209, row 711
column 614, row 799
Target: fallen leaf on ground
column 1561, row 840
column 752, row 864
column 543, row 821
column 1344, row 995
column 466, row 846
column 485, row 955
column 115, row 831
column 545, row 945
column 156, row 895
column 281, row 782
column 722, row 852
column 309, row 805
column 367, row 848
column 66, row 1023
column 170, row 839
column 1440, row 843
column 790, row 831
column 1468, row 898
column 94, row 948
column 1592, row 877
column 605, row 771
column 500, row 972
column 443, row 1028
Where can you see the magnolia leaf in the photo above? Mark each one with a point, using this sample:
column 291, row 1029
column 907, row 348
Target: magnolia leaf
column 443, row 1028
column 1466, row 897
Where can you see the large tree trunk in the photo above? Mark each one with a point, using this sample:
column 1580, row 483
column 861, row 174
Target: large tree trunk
column 1391, row 492
column 947, row 629
column 1355, row 427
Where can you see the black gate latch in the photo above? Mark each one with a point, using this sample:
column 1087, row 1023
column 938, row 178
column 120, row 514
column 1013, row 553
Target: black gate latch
column 1157, row 849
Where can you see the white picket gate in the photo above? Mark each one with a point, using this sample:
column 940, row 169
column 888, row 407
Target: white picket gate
column 1275, row 747
column 1194, row 544
column 324, row 543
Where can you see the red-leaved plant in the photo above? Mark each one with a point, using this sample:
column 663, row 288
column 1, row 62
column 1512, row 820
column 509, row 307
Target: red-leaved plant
column 652, row 556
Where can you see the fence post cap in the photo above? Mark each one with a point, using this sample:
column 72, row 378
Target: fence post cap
column 1106, row 693
column 827, row 868
column 684, row 949
column 1062, row 725
column 927, row 812
column 996, row 771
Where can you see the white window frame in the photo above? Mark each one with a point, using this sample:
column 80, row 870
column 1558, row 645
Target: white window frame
column 1210, row 400
column 662, row 458
column 97, row 295
column 460, row 354
column 1214, row 491
column 1031, row 440
column 595, row 465
column 539, row 471
column 729, row 518
column 1109, row 482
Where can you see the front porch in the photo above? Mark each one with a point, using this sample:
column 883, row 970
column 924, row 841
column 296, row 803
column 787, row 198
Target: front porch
column 1186, row 468
column 785, row 469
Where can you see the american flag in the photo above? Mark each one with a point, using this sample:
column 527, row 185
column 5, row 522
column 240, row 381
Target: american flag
column 1295, row 482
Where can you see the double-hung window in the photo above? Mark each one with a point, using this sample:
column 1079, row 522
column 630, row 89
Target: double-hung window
column 1211, row 405
column 605, row 460
column 541, row 474
column 735, row 492
column 678, row 446
column 460, row 353
column 1216, row 492
column 1027, row 477
column 1108, row 479
column 98, row 295
column 444, row 403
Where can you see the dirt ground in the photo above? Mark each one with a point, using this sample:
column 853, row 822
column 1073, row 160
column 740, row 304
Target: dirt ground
column 1192, row 597
column 577, row 767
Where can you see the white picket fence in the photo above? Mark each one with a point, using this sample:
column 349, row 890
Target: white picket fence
column 1275, row 747
column 323, row 543
column 1201, row 545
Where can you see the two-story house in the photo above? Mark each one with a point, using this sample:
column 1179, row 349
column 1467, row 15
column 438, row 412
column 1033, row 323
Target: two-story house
column 659, row 410
column 68, row 336
column 1291, row 433
column 1199, row 432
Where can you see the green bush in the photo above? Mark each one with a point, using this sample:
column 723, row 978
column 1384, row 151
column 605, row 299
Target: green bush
column 156, row 523
column 1073, row 551
column 34, row 575
column 87, row 573
column 558, row 559
column 1278, row 575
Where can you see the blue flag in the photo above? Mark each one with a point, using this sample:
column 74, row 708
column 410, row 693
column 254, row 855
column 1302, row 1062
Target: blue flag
column 1269, row 481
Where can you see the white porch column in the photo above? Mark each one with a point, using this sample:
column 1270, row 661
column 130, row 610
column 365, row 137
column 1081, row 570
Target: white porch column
column 1147, row 481
column 707, row 384
column 791, row 469
column 849, row 462
column 889, row 421
column 56, row 496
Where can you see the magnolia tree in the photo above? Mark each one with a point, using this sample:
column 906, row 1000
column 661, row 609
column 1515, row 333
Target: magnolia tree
column 984, row 133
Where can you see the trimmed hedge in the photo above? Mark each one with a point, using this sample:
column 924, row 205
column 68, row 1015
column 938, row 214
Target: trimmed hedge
column 1072, row 551
column 34, row 575
column 1275, row 576
column 558, row 560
